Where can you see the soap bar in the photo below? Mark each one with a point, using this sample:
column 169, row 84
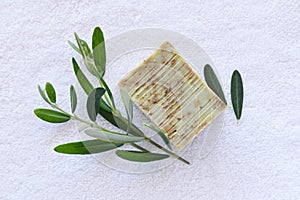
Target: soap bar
column 172, row 95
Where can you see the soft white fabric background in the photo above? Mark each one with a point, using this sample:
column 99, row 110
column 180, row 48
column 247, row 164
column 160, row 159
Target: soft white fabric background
column 259, row 159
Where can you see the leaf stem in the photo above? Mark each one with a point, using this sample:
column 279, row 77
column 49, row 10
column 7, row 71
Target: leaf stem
column 137, row 130
column 167, row 151
column 94, row 124
column 139, row 147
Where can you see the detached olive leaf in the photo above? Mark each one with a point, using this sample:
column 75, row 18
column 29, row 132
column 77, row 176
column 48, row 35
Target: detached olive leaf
column 128, row 107
column 237, row 94
column 161, row 134
column 51, row 92
column 83, row 81
column 93, row 102
column 99, row 53
column 51, row 115
column 86, row 147
column 74, row 46
column 138, row 156
column 73, row 98
column 213, row 82
column 110, row 136
column 43, row 95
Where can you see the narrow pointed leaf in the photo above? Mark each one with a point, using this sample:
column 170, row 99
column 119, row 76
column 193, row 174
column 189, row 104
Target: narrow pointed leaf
column 104, row 106
column 78, row 40
column 161, row 134
column 237, row 94
column 74, row 47
column 99, row 53
column 104, row 84
column 86, row 48
column 83, row 81
column 93, row 102
column 112, row 136
column 51, row 115
column 213, row 82
column 51, row 92
column 73, row 98
column 43, row 95
column 138, row 156
column 89, row 61
column 86, row 55
column 128, row 107
column 86, row 147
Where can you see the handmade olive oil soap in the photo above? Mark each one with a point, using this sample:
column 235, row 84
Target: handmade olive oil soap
column 172, row 95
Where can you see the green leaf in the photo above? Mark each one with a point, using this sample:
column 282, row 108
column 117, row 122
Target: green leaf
column 43, row 95
column 104, row 106
column 87, row 56
column 51, row 115
column 73, row 98
column 110, row 136
column 99, row 53
column 86, row 48
column 128, row 107
column 237, row 93
column 89, row 61
column 51, row 92
column 86, row 147
column 161, row 134
column 93, row 102
column 78, row 40
column 138, row 156
column 84, row 82
column 213, row 82
column 104, row 84
column 74, row 47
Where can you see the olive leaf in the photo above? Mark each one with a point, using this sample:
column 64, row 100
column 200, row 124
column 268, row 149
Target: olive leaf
column 93, row 102
column 73, row 98
column 50, row 92
column 161, row 134
column 83, row 81
column 86, row 147
column 80, row 47
column 87, row 56
column 99, row 53
column 74, row 46
column 213, row 82
column 138, row 156
column 128, row 107
column 43, row 95
column 86, row 49
column 51, row 115
column 237, row 94
column 110, row 136
column 104, row 84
